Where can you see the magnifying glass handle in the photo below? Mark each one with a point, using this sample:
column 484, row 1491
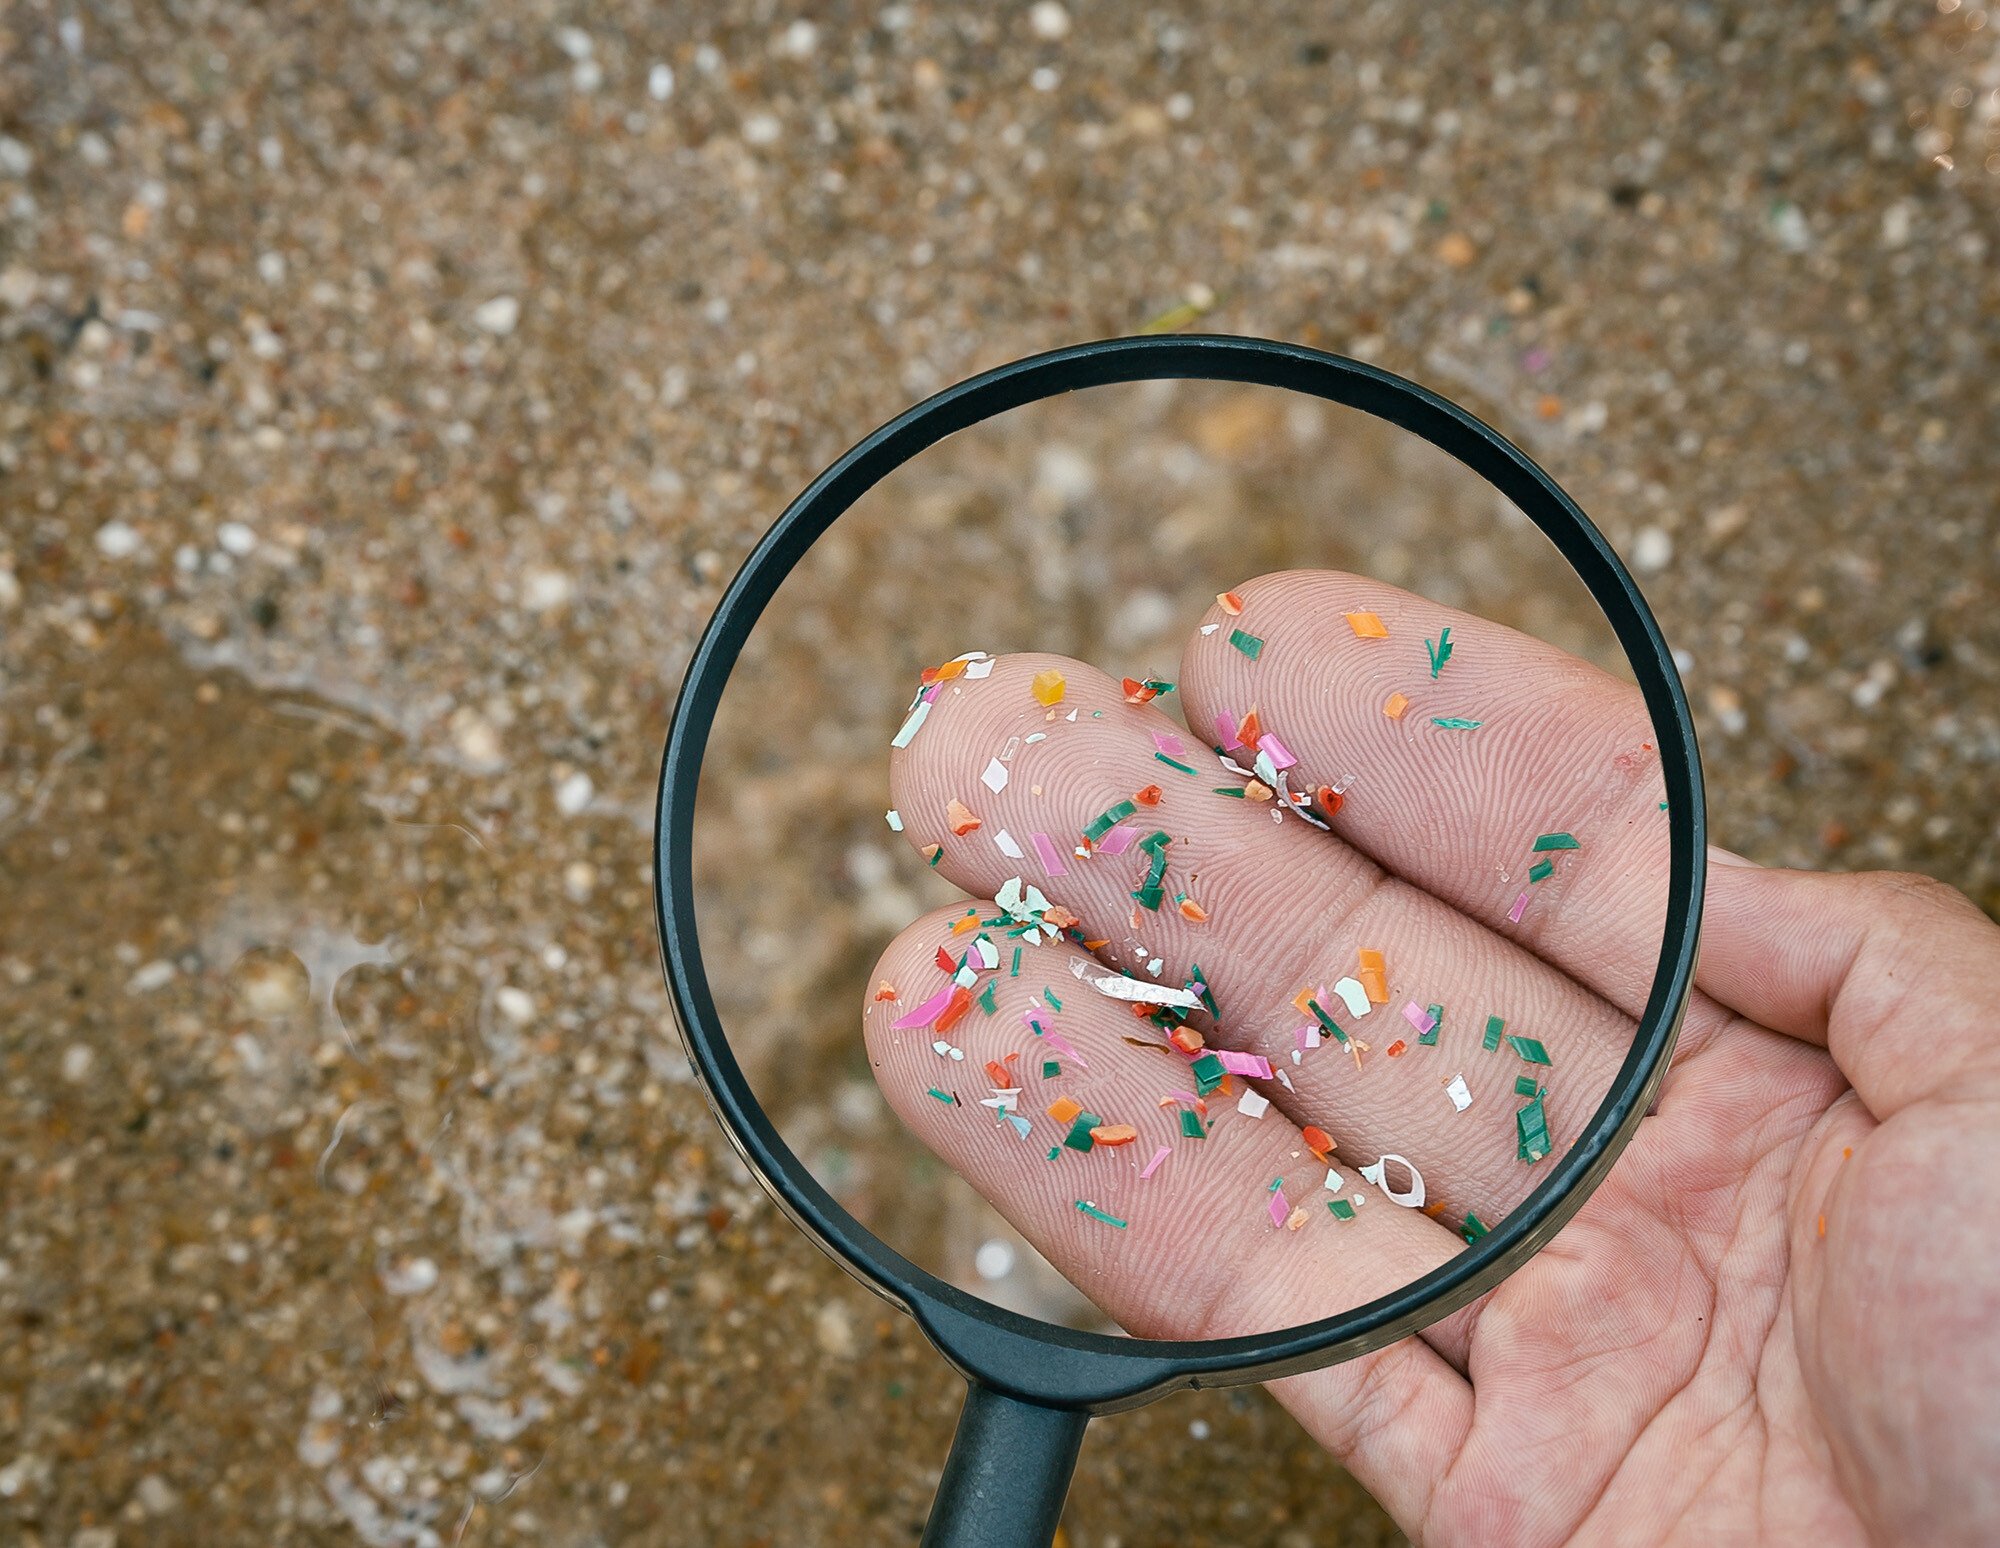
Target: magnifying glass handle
column 1008, row 1473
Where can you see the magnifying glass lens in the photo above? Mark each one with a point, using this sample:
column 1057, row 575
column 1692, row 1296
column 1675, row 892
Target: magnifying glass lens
column 1181, row 859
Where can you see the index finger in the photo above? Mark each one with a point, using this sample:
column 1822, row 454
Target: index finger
column 1507, row 742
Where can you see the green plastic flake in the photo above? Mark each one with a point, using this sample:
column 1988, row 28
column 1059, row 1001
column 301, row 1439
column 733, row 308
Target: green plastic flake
column 1156, row 842
column 1158, row 686
column 1532, row 1126
column 1276, row 1184
column 1529, row 1049
column 1208, row 1073
column 1196, row 976
column 1097, row 1214
column 1078, row 1137
column 1054, row 1151
column 1050, row 1069
column 986, row 996
column 1342, row 1210
column 1332, row 1026
column 1249, row 644
column 1191, row 1124
column 1550, row 841
column 1150, row 896
column 1173, row 763
column 1054, row 1003
column 1494, row 1027
column 937, row 854
column 1456, row 723
column 1229, row 790
column 1437, row 1026
column 1107, row 820
column 1524, row 1085
column 944, row 1096
column 1540, row 870
column 1015, row 970
column 1439, row 651
column 1474, row 1228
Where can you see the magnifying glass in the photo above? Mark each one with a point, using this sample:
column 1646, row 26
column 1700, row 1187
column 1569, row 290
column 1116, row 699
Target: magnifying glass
column 1199, row 1006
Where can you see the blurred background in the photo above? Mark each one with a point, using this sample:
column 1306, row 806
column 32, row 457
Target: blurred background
column 386, row 393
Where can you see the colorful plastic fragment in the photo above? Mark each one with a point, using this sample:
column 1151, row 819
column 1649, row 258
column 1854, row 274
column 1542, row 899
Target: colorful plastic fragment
column 1494, row 1027
column 1095, row 1213
column 1540, row 870
column 1529, row 1049
column 1047, row 688
column 1550, row 841
column 1191, row 1124
column 1437, row 1025
column 1249, row 644
column 1367, row 626
column 1532, row 1128
column 959, row 817
column 1394, row 706
column 1342, row 1210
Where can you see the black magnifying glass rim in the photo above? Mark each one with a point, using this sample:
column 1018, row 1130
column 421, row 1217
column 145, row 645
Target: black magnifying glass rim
column 1067, row 1367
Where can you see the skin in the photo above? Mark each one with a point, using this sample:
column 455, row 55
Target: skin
column 1777, row 1321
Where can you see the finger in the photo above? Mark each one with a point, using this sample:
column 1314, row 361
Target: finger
column 1200, row 1250
column 1198, row 1254
column 1560, row 748
column 1896, row 975
column 1285, row 909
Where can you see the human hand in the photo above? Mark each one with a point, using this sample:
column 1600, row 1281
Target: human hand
column 1779, row 1317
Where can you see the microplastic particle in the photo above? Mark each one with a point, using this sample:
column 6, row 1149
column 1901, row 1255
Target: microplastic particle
column 1550, row 841
column 944, row 1096
column 1541, row 870
column 895, row 819
column 1097, row 1214
column 1394, row 706
column 910, row 726
column 1437, row 1025
column 1047, row 688
column 1529, row 1049
column 1172, row 763
column 1342, row 1210
column 1249, row 644
column 1153, row 1165
column 1456, row 723
column 1532, row 1128
column 1474, row 1228
column 1459, row 1092
column 1253, row 1104
column 1367, row 626
column 1525, row 1085
column 1191, row 1124
column 1494, row 1027
column 994, row 778
column 1439, row 651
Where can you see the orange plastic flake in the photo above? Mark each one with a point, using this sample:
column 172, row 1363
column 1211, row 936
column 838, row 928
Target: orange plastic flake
column 998, row 1072
column 1822, row 1225
column 1251, row 732
column 1113, row 1134
column 1060, row 917
column 1395, row 1050
column 1367, row 626
column 954, row 1012
column 1318, row 1141
column 1374, row 976
column 1095, row 945
column 1232, row 604
column 1329, row 799
column 1186, row 1039
column 1253, row 791
column 958, row 816
column 1298, row 1219
column 1397, row 703
column 885, row 991
column 1150, row 796
column 945, row 673
column 1062, row 1109
column 1047, row 687
column 1137, row 692
column 1301, row 998
column 1193, row 910
column 963, row 923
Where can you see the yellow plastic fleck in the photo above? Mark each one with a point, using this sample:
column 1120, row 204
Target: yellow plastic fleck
column 1367, row 626
column 1048, row 687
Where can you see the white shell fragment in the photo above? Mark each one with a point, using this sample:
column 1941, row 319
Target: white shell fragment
column 1460, row 1094
column 1353, row 996
column 1378, row 1175
column 1135, row 990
